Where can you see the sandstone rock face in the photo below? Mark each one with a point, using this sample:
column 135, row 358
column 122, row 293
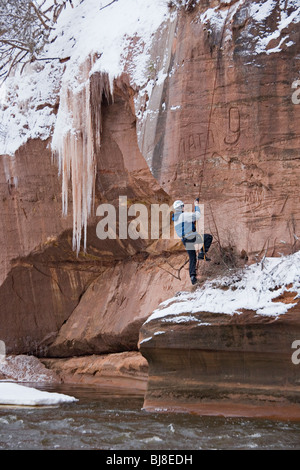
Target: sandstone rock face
column 220, row 364
column 223, row 124
column 30, row 203
column 43, row 281
column 114, row 307
column 38, row 290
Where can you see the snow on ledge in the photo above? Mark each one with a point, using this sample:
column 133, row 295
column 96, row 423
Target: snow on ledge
column 20, row 395
column 257, row 287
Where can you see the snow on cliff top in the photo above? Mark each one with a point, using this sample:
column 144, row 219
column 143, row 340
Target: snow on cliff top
column 106, row 28
column 92, row 26
column 254, row 288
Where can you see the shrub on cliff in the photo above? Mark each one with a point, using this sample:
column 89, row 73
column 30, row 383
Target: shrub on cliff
column 25, row 28
column 187, row 5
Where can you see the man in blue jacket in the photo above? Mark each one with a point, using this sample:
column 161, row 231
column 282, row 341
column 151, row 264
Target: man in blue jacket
column 185, row 226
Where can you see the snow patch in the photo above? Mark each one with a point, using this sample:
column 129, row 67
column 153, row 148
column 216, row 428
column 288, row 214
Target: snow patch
column 145, row 340
column 19, row 395
column 260, row 12
column 175, row 108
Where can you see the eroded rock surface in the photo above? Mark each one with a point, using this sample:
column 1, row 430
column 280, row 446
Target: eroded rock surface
column 115, row 305
column 126, row 370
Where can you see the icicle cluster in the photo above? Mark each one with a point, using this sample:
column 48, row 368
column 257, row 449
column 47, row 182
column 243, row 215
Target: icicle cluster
column 75, row 140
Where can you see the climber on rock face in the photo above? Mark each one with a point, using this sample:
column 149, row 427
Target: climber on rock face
column 185, row 226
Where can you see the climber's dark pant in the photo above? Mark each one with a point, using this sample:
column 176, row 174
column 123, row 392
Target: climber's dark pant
column 189, row 244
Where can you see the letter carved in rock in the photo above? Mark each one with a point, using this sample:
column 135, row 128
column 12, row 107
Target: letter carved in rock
column 234, row 126
column 181, row 151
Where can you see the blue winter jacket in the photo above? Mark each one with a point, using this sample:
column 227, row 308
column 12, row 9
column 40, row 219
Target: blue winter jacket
column 185, row 223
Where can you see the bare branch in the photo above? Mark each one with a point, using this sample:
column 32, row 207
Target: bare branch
column 16, row 45
column 108, row 5
column 40, row 15
column 25, row 27
column 177, row 276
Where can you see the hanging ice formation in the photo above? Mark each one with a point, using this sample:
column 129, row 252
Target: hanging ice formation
column 75, row 141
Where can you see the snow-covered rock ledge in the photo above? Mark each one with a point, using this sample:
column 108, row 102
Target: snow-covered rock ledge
column 229, row 347
column 270, row 287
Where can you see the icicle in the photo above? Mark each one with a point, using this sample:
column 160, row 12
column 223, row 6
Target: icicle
column 76, row 136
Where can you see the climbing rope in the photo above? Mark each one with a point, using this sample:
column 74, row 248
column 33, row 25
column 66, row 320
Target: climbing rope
column 212, row 99
column 210, row 117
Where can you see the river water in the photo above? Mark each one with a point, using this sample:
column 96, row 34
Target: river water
column 108, row 420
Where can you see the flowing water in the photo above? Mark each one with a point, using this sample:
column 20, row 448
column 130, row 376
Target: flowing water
column 108, row 420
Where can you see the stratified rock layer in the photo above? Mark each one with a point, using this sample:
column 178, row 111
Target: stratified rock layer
column 220, row 364
column 127, row 371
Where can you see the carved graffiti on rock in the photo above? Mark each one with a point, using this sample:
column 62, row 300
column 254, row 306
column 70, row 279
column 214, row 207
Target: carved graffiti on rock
column 195, row 143
column 234, row 126
column 254, row 196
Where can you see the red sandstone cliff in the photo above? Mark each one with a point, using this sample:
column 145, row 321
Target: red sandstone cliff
column 214, row 118
column 226, row 127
